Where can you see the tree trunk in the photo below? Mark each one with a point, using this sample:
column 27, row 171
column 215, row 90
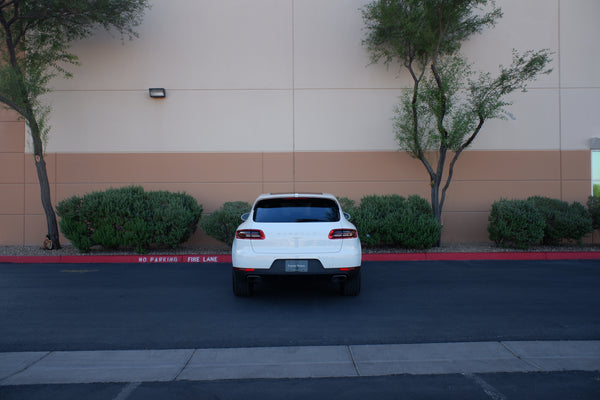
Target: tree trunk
column 437, row 203
column 436, row 206
column 40, row 166
column 52, row 241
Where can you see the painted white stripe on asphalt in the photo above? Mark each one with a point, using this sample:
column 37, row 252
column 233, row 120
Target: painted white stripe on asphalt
column 487, row 388
column 127, row 391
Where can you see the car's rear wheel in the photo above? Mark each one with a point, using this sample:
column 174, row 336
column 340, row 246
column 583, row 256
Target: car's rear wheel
column 241, row 286
column 351, row 287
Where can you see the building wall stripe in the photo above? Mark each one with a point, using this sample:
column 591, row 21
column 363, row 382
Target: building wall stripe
column 481, row 177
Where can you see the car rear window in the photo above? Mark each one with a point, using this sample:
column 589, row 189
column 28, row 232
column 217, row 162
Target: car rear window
column 296, row 210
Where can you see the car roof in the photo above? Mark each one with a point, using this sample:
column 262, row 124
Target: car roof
column 298, row 195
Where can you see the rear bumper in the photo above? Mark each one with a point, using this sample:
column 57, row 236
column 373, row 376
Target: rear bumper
column 348, row 257
column 336, row 275
column 314, row 268
column 269, row 261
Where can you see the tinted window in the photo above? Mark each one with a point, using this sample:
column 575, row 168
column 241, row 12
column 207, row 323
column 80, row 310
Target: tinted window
column 296, row 210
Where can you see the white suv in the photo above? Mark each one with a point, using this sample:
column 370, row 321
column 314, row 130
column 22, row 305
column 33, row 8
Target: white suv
column 296, row 234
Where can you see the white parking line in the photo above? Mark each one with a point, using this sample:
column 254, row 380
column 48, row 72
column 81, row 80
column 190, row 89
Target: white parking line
column 487, row 388
column 127, row 390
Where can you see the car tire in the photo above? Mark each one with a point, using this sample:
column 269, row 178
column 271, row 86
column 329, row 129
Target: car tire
column 241, row 286
column 351, row 287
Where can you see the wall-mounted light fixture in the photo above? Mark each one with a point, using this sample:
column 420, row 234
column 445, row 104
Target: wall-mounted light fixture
column 157, row 92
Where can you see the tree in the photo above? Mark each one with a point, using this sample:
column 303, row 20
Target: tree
column 447, row 107
column 35, row 39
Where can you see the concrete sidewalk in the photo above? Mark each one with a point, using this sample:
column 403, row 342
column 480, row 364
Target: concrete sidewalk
column 28, row 368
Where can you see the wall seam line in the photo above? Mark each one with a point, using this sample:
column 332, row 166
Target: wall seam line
column 24, row 182
column 560, row 127
column 293, row 95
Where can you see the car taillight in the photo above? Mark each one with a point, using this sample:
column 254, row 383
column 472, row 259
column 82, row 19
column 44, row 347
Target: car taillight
column 343, row 234
column 253, row 234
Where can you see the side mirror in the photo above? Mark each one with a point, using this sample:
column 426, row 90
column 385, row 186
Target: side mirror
column 245, row 216
column 347, row 216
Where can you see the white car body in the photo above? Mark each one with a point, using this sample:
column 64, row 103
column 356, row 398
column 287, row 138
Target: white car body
column 330, row 247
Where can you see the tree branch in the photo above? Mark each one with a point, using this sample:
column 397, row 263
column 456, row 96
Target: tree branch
column 443, row 103
column 441, row 32
column 455, row 158
column 13, row 105
column 4, row 4
column 427, row 166
column 16, row 11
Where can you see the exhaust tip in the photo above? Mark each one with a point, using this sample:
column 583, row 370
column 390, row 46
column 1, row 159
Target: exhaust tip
column 253, row 278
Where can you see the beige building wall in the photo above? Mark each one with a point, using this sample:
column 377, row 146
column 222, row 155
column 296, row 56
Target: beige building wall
column 12, row 175
column 277, row 95
column 481, row 178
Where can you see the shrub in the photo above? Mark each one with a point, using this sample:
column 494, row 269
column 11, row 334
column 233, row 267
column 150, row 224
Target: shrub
column 593, row 205
column 174, row 217
column 348, row 206
column 222, row 223
column 374, row 220
column 515, row 223
column 72, row 225
column 419, row 228
column 128, row 217
column 562, row 220
column 392, row 220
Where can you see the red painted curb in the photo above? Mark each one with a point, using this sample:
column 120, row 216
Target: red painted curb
column 509, row 256
column 579, row 255
column 395, row 257
column 225, row 258
column 128, row 259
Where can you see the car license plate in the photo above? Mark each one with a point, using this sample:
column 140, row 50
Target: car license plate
column 296, row 265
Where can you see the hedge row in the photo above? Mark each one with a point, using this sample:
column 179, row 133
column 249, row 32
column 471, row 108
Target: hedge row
column 131, row 217
column 381, row 221
column 128, row 217
column 394, row 221
column 222, row 223
column 593, row 205
column 540, row 220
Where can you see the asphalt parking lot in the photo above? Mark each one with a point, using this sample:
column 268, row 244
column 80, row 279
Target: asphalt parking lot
column 294, row 329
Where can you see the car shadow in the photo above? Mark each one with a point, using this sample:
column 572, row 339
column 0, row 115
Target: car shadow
column 296, row 287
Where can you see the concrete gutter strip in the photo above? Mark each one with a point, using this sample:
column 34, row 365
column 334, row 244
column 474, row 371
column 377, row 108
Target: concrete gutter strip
column 30, row 368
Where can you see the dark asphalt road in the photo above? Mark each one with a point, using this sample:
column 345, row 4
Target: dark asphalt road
column 546, row 386
column 166, row 306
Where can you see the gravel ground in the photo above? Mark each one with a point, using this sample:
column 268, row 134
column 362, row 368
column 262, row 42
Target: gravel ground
column 224, row 249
